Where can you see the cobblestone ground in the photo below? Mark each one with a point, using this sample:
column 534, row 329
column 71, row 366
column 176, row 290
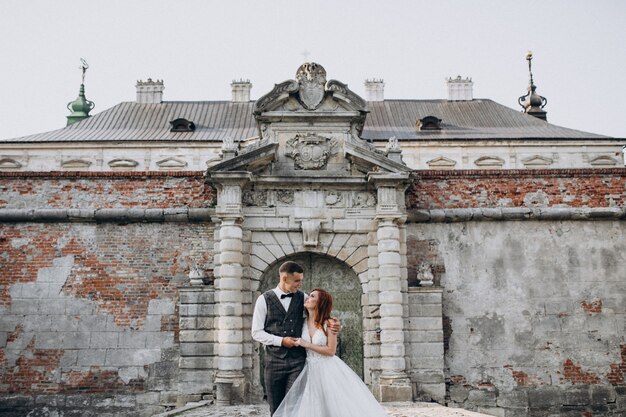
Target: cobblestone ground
column 393, row 409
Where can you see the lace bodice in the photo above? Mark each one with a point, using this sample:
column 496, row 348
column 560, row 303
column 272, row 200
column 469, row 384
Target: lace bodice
column 319, row 338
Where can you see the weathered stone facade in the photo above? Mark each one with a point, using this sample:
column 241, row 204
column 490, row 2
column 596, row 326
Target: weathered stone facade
column 128, row 293
column 117, row 302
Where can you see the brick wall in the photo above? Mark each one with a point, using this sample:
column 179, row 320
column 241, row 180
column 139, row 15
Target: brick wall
column 93, row 308
column 90, row 311
column 518, row 188
column 21, row 190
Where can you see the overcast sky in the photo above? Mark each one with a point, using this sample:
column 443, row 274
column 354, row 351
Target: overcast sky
column 199, row 46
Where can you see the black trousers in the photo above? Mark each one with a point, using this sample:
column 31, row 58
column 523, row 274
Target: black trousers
column 280, row 374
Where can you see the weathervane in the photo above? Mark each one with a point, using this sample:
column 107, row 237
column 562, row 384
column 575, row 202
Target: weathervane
column 83, row 66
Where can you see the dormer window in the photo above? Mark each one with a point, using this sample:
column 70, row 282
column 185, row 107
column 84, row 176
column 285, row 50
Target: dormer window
column 428, row 123
column 182, row 125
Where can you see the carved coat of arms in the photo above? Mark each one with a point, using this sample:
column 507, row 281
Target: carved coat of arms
column 310, row 151
column 311, row 78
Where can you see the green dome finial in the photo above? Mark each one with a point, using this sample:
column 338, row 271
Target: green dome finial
column 80, row 107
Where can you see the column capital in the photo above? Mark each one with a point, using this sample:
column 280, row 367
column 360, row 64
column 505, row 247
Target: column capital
column 389, row 179
column 230, row 185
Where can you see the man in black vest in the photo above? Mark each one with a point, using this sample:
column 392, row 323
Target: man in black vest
column 277, row 323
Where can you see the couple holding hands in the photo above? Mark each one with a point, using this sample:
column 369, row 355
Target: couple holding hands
column 303, row 377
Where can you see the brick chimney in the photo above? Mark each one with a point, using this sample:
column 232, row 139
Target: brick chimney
column 241, row 90
column 460, row 89
column 150, row 91
column 374, row 90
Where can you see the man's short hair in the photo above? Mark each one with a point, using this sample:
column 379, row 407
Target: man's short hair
column 290, row 267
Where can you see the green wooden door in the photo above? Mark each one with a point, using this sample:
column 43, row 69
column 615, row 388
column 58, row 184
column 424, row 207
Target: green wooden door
column 321, row 271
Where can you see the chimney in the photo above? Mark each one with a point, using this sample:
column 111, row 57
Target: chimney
column 150, row 91
column 241, row 91
column 375, row 90
column 460, row 89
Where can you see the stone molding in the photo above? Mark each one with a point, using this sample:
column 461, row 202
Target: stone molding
column 190, row 215
column 108, row 215
column 515, row 213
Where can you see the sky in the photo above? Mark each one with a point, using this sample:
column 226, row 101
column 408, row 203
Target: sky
column 198, row 47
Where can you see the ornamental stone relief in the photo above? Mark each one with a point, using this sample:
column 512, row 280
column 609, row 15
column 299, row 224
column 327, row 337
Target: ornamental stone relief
column 310, row 151
column 333, row 198
column 311, row 78
column 285, row 196
column 364, row 199
column 255, row 198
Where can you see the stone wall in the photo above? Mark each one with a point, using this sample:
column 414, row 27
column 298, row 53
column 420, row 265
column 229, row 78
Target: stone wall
column 90, row 306
column 533, row 314
column 94, row 309
column 526, row 313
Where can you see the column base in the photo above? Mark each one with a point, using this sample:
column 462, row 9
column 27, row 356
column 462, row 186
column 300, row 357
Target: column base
column 230, row 387
column 395, row 388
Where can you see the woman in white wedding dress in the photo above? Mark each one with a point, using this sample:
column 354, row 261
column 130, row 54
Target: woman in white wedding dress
column 326, row 387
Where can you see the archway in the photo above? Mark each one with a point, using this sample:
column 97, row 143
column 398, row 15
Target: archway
column 322, row 271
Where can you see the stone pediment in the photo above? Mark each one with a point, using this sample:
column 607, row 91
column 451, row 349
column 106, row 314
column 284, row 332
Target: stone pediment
column 537, row 161
column 367, row 159
column 254, row 158
column 310, row 92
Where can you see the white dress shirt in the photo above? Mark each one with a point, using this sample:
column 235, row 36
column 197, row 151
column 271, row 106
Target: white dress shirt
column 260, row 314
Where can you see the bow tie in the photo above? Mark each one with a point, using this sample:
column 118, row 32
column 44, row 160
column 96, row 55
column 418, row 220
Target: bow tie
column 290, row 295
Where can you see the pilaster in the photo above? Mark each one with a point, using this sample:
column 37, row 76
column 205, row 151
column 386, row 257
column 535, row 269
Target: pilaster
column 230, row 287
column 394, row 383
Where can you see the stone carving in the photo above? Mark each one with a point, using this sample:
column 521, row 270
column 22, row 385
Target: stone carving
column 310, row 151
column 311, row 79
column 392, row 144
column 285, row 196
column 342, row 89
column 364, row 200
column 255, row 198
column 333, row 197
column 310, row 232
column 283, row 89
column 228, row 144
column 425, row 274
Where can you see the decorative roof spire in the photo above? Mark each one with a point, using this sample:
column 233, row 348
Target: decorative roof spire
column 80, row 107
column 532, row 102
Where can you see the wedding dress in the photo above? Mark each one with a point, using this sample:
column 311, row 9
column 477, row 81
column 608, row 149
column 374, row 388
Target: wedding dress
column 327, row 387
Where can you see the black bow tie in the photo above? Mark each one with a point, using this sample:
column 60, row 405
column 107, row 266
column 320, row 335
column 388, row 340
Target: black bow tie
column 290, row 295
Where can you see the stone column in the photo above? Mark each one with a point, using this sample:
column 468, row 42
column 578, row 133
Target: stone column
column 229, row 287
column 394, row 383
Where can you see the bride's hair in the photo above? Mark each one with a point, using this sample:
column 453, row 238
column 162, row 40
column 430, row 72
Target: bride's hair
column 323, row 309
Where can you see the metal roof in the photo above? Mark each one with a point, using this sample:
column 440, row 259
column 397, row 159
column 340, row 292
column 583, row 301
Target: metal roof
column 217, row 120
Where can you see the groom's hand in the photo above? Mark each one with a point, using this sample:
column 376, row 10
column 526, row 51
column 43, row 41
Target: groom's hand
column 289, row 342
column 334, row 325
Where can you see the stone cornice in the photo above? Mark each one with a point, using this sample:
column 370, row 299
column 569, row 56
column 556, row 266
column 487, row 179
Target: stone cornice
column 102, row 174
column 516, row 173
column 108, row 215
column 514, row 214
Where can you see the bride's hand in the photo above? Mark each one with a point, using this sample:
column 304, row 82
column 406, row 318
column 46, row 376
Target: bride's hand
column 302, row 343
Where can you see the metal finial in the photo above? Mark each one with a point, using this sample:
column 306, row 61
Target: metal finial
column 306, row 54
column 83, row 66
column 529, row 58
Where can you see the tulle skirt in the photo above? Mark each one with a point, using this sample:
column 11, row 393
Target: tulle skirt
column 327, row 387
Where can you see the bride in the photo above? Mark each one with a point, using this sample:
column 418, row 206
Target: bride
column 326, row 387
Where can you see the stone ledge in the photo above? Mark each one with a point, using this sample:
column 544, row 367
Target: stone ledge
column 515, row 213
column 109, row 215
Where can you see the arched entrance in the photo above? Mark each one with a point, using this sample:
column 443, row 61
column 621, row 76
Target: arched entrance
column 322, row 271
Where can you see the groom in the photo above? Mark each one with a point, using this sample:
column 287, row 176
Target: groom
column 277, row 323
